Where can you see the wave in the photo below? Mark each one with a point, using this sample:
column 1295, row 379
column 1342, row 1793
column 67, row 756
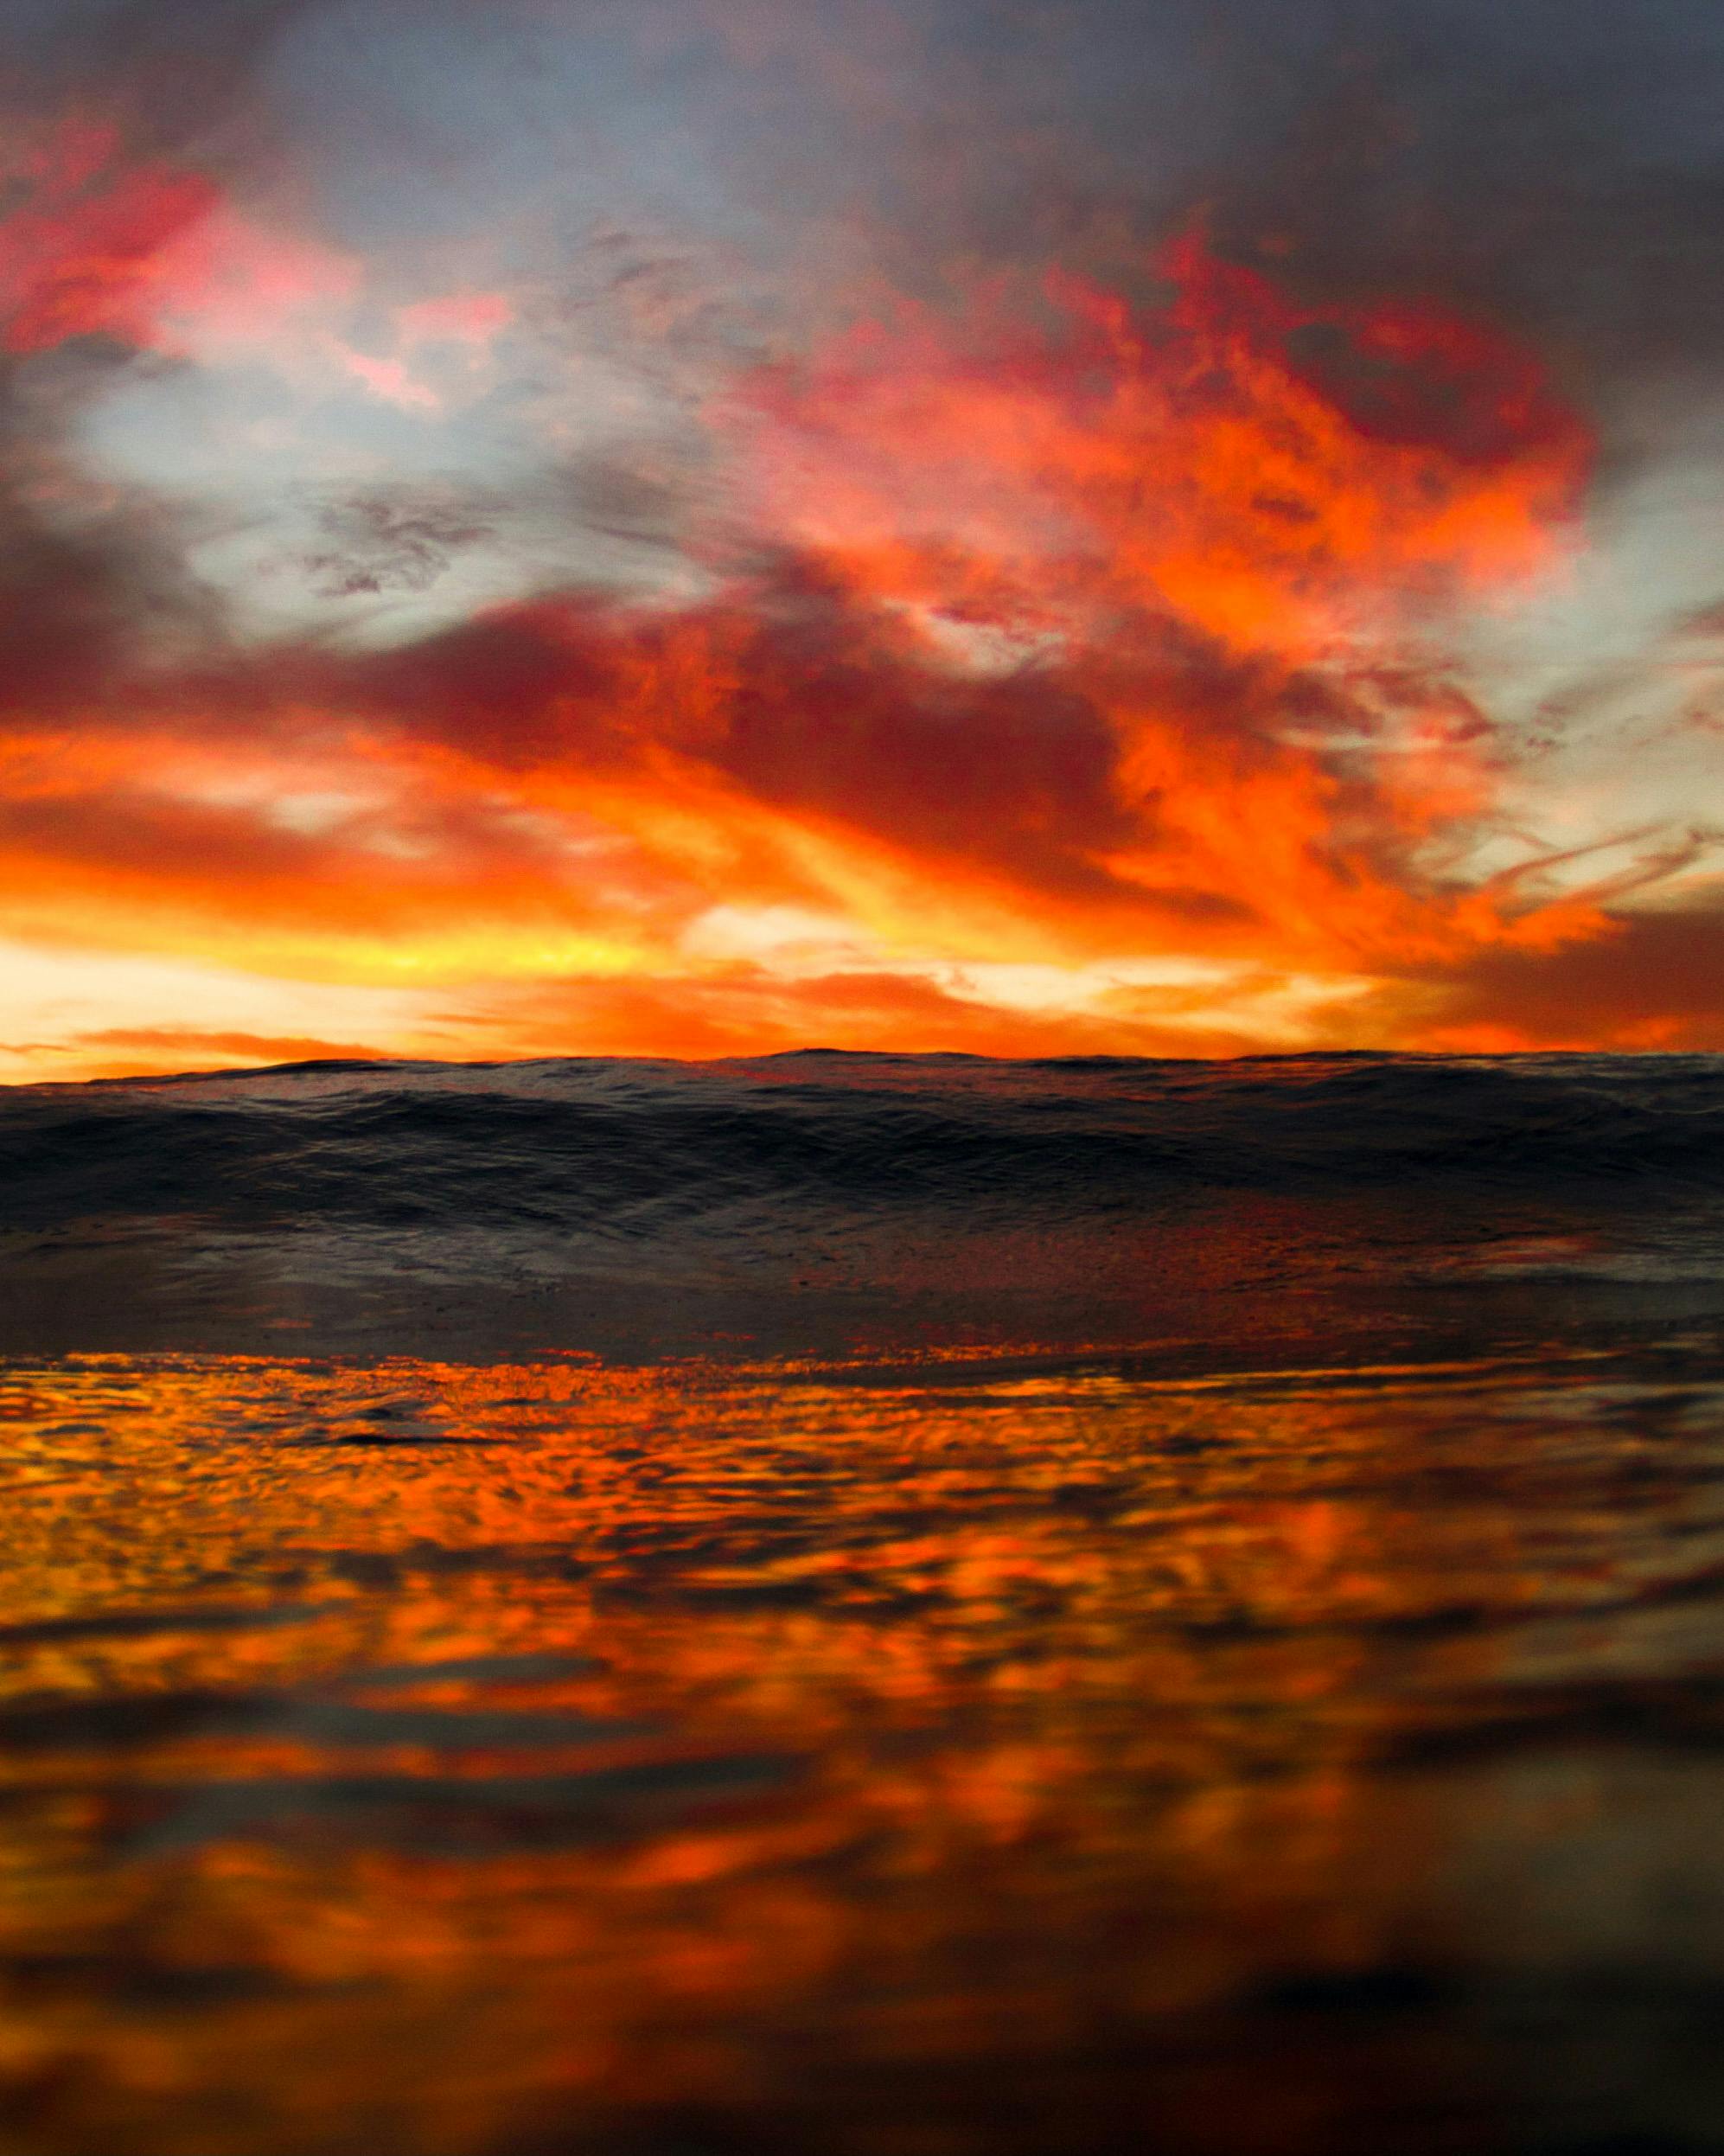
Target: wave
column 635, row 1147
column 807, row 1202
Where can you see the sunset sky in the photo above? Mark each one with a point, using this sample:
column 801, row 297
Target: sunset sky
column 697, row 527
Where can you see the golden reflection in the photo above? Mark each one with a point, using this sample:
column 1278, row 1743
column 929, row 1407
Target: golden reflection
column 429, row 1758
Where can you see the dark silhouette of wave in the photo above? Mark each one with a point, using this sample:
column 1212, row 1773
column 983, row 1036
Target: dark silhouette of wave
column 641, row 1148
column 789, row 1198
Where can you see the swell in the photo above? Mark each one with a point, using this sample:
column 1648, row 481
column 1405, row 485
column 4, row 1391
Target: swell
column 634, row 1149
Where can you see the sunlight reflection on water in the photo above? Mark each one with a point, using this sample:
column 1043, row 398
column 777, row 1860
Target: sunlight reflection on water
column 413, row 1757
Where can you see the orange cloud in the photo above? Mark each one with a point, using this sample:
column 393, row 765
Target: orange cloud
column 748, row 1010
column 1045, row 645
column 1652, row 979
column 114, row 1049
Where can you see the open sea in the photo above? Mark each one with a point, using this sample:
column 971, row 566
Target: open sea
column 865, row 1606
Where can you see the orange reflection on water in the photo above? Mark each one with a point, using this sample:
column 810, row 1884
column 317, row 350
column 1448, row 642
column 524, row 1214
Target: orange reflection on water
column 424, row 1758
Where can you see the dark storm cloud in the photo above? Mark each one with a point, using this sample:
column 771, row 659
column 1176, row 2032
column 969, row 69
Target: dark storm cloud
column 1557, row 168
column 84, row 612
column 177, row 69
column 1560, row 167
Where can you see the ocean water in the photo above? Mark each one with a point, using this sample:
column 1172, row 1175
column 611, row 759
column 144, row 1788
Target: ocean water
column 865, row 1606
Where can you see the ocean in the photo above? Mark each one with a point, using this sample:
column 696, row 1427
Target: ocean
column 847, row 1605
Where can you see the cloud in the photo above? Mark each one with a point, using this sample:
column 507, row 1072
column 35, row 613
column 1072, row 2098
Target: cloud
column 180, row 1048
column 1036, row 548
column 741, row 1010
column 1654, row 979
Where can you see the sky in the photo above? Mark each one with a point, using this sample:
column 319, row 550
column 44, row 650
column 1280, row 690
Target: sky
column 705, row 527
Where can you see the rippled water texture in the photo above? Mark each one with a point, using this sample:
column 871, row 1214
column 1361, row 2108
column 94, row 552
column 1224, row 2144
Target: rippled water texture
column 754, row 1693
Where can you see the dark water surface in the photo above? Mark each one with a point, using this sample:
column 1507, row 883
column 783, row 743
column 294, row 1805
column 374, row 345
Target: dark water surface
column 879, row 1606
